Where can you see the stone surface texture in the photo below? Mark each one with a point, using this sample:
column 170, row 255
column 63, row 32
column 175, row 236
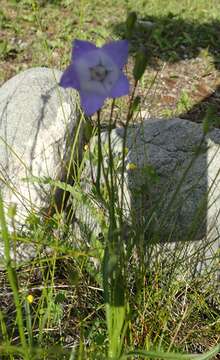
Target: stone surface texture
column 37, row 124
column 171, row 188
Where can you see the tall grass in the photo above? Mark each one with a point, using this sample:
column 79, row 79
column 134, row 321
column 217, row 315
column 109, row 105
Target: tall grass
column 149, row 311
column 96, row 294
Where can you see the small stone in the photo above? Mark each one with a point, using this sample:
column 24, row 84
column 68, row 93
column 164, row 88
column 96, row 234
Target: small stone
column 37, row 125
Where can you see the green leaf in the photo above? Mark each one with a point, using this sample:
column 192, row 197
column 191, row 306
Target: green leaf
column 88, row 131
column 60, row 298
column 130, row 23
column 12, row 210
column 136, row 103
column 170, row 355
column 140, row 65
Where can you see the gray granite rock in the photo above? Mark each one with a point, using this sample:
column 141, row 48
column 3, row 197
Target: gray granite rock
column 38, row 120
column 173, row 194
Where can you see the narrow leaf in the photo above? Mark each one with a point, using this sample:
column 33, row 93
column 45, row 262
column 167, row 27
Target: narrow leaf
column 140, row 65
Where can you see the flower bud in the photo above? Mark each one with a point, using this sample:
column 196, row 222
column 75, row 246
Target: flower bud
column 130, row 23
column 131, row 166
column 30, row 298
column 140, row 65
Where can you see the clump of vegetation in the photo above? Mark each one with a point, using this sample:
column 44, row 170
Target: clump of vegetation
column 109, row 296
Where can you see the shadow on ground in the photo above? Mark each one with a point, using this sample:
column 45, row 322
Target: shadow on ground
column 172, row 40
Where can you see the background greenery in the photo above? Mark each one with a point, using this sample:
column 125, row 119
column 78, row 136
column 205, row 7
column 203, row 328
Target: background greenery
column 181, row 39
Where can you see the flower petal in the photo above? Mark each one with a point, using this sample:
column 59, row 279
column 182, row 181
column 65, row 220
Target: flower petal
column 70, row 78
column 91, row 102
column 81, row 47
column 118, row 51
column 121, row 87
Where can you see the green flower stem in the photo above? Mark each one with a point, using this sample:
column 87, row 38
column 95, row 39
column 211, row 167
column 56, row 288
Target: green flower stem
column 99, row 154
column 112, row 187
column 113, row 285
column 129, row 116
column 28, row 322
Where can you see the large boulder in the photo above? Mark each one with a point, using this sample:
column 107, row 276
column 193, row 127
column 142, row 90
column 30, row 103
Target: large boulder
column 171, row 192
column 38, row 120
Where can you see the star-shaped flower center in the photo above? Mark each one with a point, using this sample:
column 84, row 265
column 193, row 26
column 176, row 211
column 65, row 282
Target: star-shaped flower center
column 98, row 73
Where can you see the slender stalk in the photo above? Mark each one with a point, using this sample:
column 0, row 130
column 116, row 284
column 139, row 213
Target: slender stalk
column 99, row 154
column 29, row 323
column 113, row 284
column 129, row 116
column 111, row 169
column 12, row 278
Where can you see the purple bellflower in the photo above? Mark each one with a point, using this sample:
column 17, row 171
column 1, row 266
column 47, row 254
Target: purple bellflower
column 97, row 73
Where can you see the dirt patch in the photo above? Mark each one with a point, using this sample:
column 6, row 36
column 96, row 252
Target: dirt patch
column 182, row 78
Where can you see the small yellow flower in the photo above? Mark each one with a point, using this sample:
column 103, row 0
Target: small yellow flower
column 30, row 298
column 86, row 147
column 131, row 166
